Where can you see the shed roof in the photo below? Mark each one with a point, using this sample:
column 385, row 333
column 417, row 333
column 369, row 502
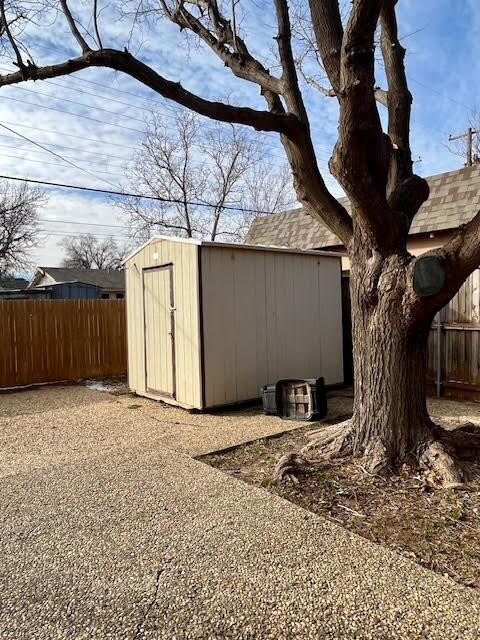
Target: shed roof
column 233, row 245
column 454, row 200
column 106, row 279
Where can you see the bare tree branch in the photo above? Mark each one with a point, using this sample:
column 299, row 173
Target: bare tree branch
column 289, row 73
column 361, row 156
column 19, row 225
column 229, row 47
column 308, row 182
column 460, row 256
column 88, row 252
column 73, row 27
column 95, row 24
column 406, row 192
column 399, row 105
column 329, row 93
column 190, row 164
column 125, row 62
column 381, row 96
column 327, row 25
column 10, row 37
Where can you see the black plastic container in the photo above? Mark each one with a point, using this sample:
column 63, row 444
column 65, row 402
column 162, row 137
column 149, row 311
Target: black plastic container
column 269, row 395
column 296, row 399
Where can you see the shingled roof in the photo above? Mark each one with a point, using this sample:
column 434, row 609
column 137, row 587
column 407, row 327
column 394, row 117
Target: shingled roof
column 454, row 200
column 9, row 284
column 106, row 279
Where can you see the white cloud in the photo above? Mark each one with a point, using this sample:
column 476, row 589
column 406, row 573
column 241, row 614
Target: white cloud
column 61, row 217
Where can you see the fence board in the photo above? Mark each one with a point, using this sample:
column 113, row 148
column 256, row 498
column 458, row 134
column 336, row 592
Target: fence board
column 54, row 340
column 460, row 338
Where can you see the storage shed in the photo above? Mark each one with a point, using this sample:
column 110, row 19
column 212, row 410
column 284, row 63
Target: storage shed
column 209, row 323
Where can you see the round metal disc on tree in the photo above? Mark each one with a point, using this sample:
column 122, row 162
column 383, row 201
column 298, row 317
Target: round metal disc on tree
column 428, row 276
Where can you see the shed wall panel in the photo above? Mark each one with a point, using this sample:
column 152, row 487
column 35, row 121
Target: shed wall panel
column 184, row 258
column 268, row 315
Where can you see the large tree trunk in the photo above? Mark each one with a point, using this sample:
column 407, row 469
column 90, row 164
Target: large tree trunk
column 390, row 425
column 390, row 422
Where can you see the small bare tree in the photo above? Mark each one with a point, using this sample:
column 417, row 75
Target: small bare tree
column 190, row 165
column 19, row 225
column 88, row 252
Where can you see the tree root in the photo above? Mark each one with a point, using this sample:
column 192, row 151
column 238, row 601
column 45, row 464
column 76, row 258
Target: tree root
column 334, row 441
column 325, row 443
column 290, row 466
column 464, row 441
column 442, row 458
column 441, row 467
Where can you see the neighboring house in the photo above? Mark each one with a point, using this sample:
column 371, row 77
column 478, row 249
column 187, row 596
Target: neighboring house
column 79, row 283
column 57, row 291
column 454, row 200
column 68, row 290
column 13, row 284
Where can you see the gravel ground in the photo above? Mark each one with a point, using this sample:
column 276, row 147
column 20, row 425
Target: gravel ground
column 60, row 424
column 108, row 533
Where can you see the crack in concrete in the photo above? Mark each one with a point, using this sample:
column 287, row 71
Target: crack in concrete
column 150, row 605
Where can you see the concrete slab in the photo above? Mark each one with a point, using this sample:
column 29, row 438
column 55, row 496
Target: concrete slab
column 107, row 532
column 150, row 544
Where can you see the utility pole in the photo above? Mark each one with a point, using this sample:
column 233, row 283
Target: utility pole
column 469, row 136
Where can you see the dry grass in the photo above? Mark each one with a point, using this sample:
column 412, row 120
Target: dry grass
column 438, row 529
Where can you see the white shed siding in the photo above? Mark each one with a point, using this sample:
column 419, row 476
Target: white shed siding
column 268, row 315
column 184, row 257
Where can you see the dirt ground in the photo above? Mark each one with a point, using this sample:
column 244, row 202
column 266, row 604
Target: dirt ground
column 438, row 529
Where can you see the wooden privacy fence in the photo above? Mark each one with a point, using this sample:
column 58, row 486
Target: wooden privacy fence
column 55, row 340
column 454, row 343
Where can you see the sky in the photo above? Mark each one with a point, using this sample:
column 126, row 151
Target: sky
column 95, row 119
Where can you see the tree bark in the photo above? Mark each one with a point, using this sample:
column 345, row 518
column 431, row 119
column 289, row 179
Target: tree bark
column 390, row 423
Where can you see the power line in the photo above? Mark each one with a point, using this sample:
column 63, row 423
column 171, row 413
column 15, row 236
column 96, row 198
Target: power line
column 96, row 95
column 82, row 104
column 103, row 163
column 71, row 135
column 91, row 224
column 199, row 164
column 69, row 113
column 37, row 144
column 75, row 235
column 207, row 161
column 62, row 146
column 443, row 95
column 64, row 158
column 57, row 164
column 163, row 104
column 111, row 124
column 318, row 148
column 115, row 113
column 136, row 195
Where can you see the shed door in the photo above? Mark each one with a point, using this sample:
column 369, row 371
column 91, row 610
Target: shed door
column 158, row 307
